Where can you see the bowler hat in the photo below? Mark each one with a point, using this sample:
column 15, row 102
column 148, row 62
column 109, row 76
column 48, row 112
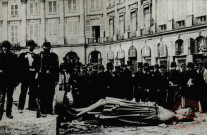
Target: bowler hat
column 6, row 44
column 31, row 43
column 47, row 44
column 173, row 64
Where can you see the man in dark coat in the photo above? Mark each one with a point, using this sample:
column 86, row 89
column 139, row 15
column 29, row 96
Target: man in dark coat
column 174, row 84
column 162, row 87
column 138, row 80
column 48, row 78
column 28, row 68
column 194, row 83
column 126, row 83
column 147, row 81
column 110, row 80
column 8, row 78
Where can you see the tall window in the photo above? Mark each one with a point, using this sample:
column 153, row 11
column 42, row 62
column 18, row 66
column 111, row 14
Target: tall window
column 72, row 5
column 73, row 27
column 96, row 4
column 72, row 32
column 33, row 31
column 179, row 48
column 14, row 33
column 14, row 10
column 147, row 17
column 53, row 6
column 111, row 27
column 121, row 24
column 34, row 8
column 53, row 31
column 133, row 21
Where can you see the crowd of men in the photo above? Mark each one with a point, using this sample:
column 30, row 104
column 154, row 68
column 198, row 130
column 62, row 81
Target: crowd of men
column 150, row 83
column 40, row 73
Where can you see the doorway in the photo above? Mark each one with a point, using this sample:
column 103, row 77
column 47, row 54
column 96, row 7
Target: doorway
column 96, row 33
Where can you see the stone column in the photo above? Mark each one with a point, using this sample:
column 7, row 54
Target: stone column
column 43, row 23
column 153, row 16
column 62, row 23
column 189, row 18
column 4, row 11
column 23, row 28
column 140, row 18
column 170, row 14
column 80, row 8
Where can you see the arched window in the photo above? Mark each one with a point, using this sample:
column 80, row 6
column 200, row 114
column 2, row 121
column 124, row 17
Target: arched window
column 120, row 57
column 110, row 56
column 132, row 54
column 146, row 51
column 95, row 57
column 179, row 47
column 200, row 44
column 146, row 54
column 162, row 50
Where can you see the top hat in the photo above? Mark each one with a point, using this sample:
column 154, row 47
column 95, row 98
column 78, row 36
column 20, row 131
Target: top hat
column 109, row 65
column 6, row 44
column 31, row 43
column 129, row 63
column 156, row 65
column 183, row 65
column 173, row 64
column 47, row 44
column 146, row 65
column 95, row 67
column 140, row 64
column 123, row 65
column 151, row 67
column 101, row 67
column 162, row 66
column 83, row 67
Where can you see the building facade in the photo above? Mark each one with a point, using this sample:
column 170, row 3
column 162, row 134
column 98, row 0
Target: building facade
column 101, row 31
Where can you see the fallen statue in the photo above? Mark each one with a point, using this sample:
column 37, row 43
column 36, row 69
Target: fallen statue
column 126, row 111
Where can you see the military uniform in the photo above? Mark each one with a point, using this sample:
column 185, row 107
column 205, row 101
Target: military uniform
column 48, row 78
column 8, row 78
column 28, row 68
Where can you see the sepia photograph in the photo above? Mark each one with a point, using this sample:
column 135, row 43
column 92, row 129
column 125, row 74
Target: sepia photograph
column 103, row 67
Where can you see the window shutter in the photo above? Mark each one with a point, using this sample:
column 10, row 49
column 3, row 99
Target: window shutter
column 88, row 29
